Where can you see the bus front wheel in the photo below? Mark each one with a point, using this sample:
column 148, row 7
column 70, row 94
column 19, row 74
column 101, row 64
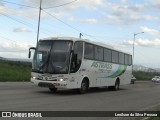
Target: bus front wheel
column 53, row 89
column 84, row 86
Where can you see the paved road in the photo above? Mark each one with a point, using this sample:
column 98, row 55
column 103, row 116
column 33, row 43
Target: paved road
column 24, row 96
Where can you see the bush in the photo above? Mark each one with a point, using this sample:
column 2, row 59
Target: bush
column 15, row 71
column 140, row 75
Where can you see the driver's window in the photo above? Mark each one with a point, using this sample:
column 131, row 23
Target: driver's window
column 39, row 59
column 78, row 52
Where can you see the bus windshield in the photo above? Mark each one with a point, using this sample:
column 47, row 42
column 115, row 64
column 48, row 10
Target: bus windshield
column 52, row 57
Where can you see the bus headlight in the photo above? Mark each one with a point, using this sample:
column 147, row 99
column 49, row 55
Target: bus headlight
column 33, row 77
column 62, row 79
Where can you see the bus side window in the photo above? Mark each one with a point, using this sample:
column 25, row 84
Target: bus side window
column 130, row 60
column 77, row 56
column 107, row 55
column 114, row 56
column 88, row 51
column 126, row 59
column 121, row 58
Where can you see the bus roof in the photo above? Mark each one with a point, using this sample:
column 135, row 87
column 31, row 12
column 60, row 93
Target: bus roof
column 84, row 40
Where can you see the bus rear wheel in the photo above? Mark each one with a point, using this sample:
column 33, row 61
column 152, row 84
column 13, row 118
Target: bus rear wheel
column 84, row 87
column 116, row 86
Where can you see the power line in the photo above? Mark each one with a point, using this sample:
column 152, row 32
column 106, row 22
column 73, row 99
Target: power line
column 12, row 41
column 24, row 23
column 70, row 26
column 6, row 15
column 61, row 4
column 63, row 22
column 37, row 7
column 95, row 37
column 18, row 4
column 7, row 39
column 91, row 36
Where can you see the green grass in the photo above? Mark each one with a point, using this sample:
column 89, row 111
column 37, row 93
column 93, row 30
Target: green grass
column 21, row 71
column 143, row 75
column 14, row 71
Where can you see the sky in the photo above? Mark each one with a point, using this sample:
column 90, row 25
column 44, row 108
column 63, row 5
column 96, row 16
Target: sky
column 112, row 22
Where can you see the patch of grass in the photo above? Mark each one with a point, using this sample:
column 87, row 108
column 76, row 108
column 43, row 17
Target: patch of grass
column 15, row 71
column 140, row 75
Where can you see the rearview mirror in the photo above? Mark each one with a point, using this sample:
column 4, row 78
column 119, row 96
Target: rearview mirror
column 29, row 55
column 33, row 48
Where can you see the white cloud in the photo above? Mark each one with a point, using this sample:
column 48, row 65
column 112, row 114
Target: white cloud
column 144, row 42
column 88, row 4
column 14, row 50
column 92, row 21
column 86, row 21
column 150, row 31
column 21, row 29
column 127, row 15
column 154, row 5
column 14, row 47
column 4, row 9
column 124, row 1
column 114, row 13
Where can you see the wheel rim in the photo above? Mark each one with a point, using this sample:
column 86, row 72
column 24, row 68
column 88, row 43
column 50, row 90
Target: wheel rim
column 84, row 87
column 116, row 86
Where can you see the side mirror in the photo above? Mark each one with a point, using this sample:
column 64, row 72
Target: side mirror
column 33, row 48
column 29, row 55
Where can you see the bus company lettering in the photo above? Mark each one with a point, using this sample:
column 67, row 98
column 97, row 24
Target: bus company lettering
column 101, row 65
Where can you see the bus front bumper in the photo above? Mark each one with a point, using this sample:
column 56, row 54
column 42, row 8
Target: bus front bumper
column 50, row 84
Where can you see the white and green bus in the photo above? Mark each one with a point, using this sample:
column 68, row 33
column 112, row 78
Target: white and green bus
column 72, row 63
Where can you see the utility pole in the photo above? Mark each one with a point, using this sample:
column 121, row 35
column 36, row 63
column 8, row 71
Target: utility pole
column 133, row 47
column 134, row 41
column 39, row 20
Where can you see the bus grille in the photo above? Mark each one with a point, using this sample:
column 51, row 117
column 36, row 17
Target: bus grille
column 49, row 85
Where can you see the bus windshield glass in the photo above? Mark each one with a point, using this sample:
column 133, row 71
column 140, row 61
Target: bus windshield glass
column 52, row 57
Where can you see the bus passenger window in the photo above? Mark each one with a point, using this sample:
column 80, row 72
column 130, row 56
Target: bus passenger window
column 98, row 53
column 107, row 55
column 130, row 60
column 114, row 56
column 126, row 59
column 121, row 58
column 88, row 53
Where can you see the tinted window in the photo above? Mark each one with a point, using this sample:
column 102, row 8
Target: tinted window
column 121, row 58
column 98, row 53
column 59, row 57
column 77, row 56
column 126, row 59
column 88, row 53
column 78, row 49
column 114, row 57
column 107, row 55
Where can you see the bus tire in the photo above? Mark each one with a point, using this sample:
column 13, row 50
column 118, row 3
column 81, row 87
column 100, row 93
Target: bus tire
column 132, row 82
column 53, row 89
column 116, row 86
column 84, row 86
